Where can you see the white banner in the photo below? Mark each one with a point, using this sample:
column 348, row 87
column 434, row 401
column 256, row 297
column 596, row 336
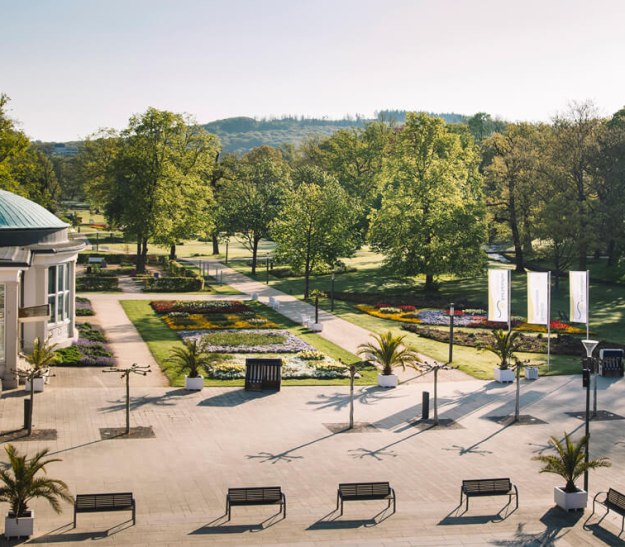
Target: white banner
column 578, row 289
column 498, row 295
column 538, row 298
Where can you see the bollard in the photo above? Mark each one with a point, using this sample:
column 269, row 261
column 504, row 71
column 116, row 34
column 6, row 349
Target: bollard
column 27, row 413
column 425, row 406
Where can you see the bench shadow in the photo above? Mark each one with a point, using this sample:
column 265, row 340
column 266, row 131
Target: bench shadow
column 458, row 515
column 333, row 521
column 66, row 533
column 221, row 525
column 234, row 398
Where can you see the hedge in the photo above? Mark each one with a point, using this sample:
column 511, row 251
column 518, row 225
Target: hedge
column 116, row 258
column 96, row 283
column 174, row 284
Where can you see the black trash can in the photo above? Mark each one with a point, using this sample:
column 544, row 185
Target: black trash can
column 27, row 423
column 425, row 406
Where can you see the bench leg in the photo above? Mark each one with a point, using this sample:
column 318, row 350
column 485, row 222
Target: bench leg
column 134, row 520
column 74, row 518
column 228, row 509
column 341, row 513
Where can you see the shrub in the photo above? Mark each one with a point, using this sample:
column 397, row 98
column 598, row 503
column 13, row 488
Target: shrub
column 174, row 284
column 199, row 306
column 89, row 332
column 97, row 283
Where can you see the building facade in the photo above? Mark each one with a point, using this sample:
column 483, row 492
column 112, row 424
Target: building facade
column 37, row 281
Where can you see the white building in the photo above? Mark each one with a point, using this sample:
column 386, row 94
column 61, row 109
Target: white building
column 37, row 280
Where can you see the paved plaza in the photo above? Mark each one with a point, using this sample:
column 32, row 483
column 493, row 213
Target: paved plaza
column 224, row 437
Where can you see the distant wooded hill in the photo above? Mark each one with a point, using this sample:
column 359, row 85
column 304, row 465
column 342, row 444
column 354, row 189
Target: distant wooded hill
column 241, row 134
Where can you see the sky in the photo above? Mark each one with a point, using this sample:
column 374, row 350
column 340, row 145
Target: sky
column 72, row 67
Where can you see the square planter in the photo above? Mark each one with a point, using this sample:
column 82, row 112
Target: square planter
column 570, row 501
column 504, row 376
column 19, row 527
column 387, row 380
column 315, row 327
column 194, row 384
column 38, row 384
column 531, row 373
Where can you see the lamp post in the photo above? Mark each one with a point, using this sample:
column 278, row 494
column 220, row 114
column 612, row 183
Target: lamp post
column 451, row 332
column 589, row 346
column 332, row 292
column 267, row 269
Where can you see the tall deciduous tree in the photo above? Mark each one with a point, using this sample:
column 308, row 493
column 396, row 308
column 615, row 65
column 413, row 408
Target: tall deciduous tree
column 316, row 225
column 431, row 220
column 251, row 200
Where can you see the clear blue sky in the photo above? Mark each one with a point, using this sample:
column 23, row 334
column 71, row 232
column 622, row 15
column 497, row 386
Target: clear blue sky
column 73, row 66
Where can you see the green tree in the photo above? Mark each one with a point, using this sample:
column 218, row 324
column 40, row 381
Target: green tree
column 431, row 219
column 388, row 352
column 504, row 345
column 251, row 200
column 20, row 483
column 569, row 460
column 316, row 225
column 190, row 358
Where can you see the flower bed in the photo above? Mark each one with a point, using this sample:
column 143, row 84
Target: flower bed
column 199, row 306
column 294, row 367
column 89, row 350
column 263, row 341
column 83, row 307
column 180, row 320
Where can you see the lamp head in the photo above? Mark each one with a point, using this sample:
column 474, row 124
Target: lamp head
column 590, row 346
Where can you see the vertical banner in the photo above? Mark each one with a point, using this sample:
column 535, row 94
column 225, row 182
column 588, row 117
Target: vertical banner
column 499, row 295
column 538, row 298
column 578, row 289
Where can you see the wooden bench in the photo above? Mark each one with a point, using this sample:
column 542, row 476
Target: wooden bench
column 362, row 491
column 488, row 487
column 265, row 495
column 96, row 503
column 614, row 501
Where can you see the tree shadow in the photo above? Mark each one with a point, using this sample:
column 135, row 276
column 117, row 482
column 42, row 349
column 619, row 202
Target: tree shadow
column 365, row 396
column 286, row 455
column 380, row 453
column 167, row 399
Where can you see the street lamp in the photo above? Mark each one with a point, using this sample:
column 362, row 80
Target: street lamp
column 589, row 346
column 267, row 269
column 332, row 292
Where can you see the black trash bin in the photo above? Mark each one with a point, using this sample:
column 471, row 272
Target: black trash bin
column 425, row 406
column 27, row 414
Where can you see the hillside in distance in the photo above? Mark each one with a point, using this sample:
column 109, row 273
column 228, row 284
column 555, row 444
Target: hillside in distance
column 239, row 135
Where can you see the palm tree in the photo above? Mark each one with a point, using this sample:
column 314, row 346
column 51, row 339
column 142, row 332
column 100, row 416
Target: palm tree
column 568, row 462
column 504, row 346
column 42, row 357
column 20, row 483
column 190, row 358
column 388, row 352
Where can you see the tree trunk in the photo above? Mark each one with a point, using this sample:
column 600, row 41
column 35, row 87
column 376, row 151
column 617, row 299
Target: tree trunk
column 612, row 258
column 144, row 253
column 429, row 283
column 254, row 255
column 172, row 252
column 215, row 238
column 139, row 264
column 516, row 237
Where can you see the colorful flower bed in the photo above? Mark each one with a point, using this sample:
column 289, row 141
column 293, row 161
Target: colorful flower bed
column 89, row 350
column 199, row 306
column 196, row 321
column 299, row 366
column 470, row 318
column 263, row 341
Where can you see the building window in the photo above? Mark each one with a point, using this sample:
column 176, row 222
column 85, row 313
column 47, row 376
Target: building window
column 58, row 292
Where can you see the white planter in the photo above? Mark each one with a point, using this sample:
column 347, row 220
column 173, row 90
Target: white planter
column 38, row 384
column 570, row 500
column 20, row 527
column 387, row 380
column 504, row 376
column 531, row 373
column 315, row 327
column 194, row 384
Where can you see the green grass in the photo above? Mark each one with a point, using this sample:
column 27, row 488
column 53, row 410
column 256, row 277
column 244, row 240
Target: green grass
column 161, row 339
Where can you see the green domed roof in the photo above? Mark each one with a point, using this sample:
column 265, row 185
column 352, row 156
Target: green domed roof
column 19, row 213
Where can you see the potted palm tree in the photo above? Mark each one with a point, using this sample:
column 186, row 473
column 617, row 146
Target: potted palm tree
column 504, row 345
column 191, row 358
column 19, row 484
column 40, row 360
column 568, row 462
column 388, row 353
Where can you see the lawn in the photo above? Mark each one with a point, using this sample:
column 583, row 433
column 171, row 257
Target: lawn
column 161, row 339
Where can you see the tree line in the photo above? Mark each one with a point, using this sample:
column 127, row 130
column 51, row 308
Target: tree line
column 426, row 193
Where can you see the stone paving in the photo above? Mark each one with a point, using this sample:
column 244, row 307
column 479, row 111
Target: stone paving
column 224, row 437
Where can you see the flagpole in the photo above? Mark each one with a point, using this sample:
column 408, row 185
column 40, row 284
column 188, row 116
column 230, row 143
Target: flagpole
column 549, row 321
column 509, row 300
